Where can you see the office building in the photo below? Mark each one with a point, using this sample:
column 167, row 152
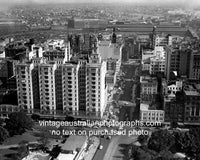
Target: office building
column 194, row 72
column 174, row 108
column 184, row 61
column 96, row 85
column 148, row 89
column 157, row 63
column 192, row 105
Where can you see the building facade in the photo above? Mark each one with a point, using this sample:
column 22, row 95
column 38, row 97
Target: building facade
column 151, row 115
column 148, row 89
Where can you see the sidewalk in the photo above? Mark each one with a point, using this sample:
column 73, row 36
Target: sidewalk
column 93, row 148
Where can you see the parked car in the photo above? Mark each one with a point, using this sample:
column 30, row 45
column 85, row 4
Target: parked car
column 101, row 147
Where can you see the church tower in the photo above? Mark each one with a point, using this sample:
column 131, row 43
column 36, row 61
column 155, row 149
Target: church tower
column 114, row 36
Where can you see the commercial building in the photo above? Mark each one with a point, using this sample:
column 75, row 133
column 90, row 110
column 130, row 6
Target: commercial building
column 184, row 60
column 96, row 85
column 47, row 87
column 184, row 106
column 157, row 63
column 192, row 105
column 194, row 72
column 153, row 60
column 163, row 40
column 174, row 108
column 148, row 89
column 151, row 115
column 147, row 53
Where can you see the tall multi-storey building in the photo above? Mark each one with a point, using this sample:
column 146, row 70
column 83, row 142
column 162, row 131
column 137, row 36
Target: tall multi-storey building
column 157, row 39
column 59, row 91
column 184, row 61
column 194, row 72
column 154, row 60
column 184, row 106
column 147, row 53
column 157, row 63
column 35, row 82
column 153, row 37
column 25, row 86
column 148, row 89
column 70, row 88
column 172, row 61
column 47, row 87
column 163, row 40
column 111, row 74
column 111, row 51
column 96, row 85
column 174, row 108
column 82, row 81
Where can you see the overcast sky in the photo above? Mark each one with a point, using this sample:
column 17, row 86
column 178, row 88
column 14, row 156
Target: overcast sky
column 193, row 2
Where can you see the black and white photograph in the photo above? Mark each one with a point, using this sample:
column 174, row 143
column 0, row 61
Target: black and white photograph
column 99, row 80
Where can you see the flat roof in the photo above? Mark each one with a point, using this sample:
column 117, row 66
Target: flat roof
column 147, row 79
column 144, row 107
column 37, row 156
column 111, row 73
column 63, row 156
column 192, row 93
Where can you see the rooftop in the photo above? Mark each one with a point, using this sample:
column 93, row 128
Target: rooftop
column 147, row 79
column 69, row 156
column 192, row 93
column 37, row 156
column 144, row 107
column 110, row 73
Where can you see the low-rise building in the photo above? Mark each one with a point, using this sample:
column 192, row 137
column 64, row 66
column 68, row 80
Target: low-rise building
column 175, row 87
column 151, row 115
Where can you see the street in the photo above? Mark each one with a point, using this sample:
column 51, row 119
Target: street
column 117, row 148
column 100, row 153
